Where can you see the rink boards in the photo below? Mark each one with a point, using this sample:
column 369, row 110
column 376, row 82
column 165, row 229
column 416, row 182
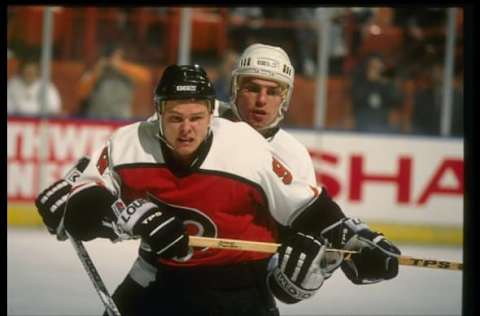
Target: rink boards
column 410, row 188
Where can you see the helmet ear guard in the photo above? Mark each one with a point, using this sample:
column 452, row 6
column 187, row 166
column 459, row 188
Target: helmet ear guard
column 265, row 62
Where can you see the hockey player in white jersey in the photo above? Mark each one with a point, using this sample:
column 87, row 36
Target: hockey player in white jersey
column 188, row 173
column 261, row 89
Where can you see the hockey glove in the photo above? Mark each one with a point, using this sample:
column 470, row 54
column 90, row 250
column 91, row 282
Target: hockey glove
column 164, row 233
column 51, row 202
column 299, row 272
column 89, row 213
column 378, row 257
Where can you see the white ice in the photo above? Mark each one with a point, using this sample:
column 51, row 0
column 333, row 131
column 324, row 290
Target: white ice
column 45, row 277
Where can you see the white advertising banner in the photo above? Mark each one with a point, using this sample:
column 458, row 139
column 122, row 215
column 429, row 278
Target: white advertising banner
column 66, row 141
column 397, row 179
column 393, row 179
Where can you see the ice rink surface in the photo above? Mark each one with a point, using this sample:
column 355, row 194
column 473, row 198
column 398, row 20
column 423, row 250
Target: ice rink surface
column 45, row 277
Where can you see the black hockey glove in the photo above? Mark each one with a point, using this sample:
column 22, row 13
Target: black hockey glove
column 163, row 233
column 89, row 214
column 51, row 202
column 378, row 257
column 300, row 270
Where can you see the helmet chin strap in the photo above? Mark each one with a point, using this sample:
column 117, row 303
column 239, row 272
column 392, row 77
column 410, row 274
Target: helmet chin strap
column 277, row 120
column 160, row 133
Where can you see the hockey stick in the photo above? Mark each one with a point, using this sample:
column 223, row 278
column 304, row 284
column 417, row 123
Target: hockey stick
column 97, row 281
column 196, row 241
column 62, row 234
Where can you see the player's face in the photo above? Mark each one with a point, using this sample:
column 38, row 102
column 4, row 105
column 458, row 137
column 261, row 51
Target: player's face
column 185, row 125
column 258, row 101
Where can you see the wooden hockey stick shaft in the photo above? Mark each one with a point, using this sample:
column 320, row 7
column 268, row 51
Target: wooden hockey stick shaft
column 235, row 244
column 111, row 307
column 87, row 263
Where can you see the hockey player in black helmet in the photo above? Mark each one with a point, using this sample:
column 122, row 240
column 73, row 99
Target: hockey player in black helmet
column 184, row 172
column 182, row 83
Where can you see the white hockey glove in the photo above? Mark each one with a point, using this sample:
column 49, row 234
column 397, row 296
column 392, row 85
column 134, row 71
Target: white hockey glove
column 378, row 257
column 163, row 233
column 51, row 202
column 301, row 268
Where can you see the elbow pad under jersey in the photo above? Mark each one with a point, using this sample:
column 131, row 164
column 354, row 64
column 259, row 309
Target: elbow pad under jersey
column 319, row 215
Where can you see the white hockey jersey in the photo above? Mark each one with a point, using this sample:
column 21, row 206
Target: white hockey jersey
column 237, row 187
column 286, row 147
column 290, row 151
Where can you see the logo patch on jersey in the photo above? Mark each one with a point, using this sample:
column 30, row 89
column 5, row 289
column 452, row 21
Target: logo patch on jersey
column 102, row 162
column 118, row 207
column 72, row 176
column 281, row 171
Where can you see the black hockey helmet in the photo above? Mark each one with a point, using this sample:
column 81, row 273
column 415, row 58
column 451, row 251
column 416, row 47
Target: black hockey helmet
column 184, row 82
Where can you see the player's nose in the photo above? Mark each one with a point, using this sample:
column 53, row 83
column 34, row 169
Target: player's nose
column 261, row 98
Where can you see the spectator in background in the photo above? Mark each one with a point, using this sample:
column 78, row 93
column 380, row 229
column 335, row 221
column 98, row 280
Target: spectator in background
column 338, row 49
column 305, row 40
column 421, row 31
column 107, row 91
column 428, row 99
column 360, row 18
column 374, row 97
column 222, row 83
column 153, row 48
column 245, row 26
column 24, row 89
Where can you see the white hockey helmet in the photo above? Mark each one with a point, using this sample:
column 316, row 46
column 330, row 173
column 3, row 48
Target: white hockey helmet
column 266, row 62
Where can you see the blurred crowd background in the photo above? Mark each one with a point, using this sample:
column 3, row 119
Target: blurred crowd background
column 107, row 60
